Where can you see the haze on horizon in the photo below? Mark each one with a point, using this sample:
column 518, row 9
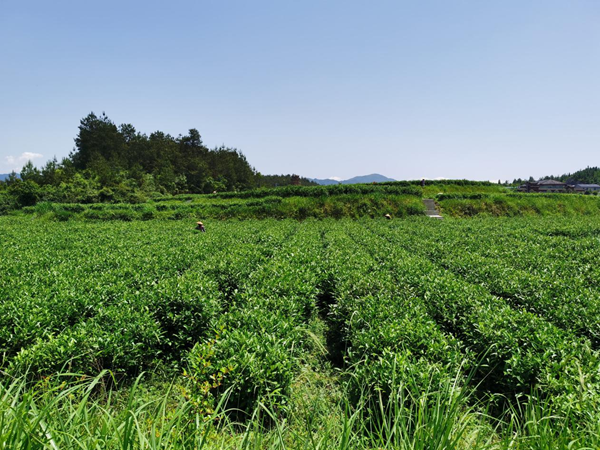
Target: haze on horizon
column 464, row 89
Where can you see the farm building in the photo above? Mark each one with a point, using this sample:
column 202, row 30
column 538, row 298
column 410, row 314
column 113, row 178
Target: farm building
column 580, row 187
column 543, row 186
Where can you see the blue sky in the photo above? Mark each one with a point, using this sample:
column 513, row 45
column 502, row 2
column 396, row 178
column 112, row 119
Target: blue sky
column 409, row 89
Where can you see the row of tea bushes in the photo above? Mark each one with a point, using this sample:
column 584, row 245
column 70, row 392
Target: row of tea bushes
column 519, row 351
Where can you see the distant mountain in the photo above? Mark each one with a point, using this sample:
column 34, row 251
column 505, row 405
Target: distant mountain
column 373, row 178
column 325, row 182
column 4, row 176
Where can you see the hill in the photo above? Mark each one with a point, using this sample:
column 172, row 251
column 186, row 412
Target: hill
column 372, row 178
column 325, row 182
column 588, row 175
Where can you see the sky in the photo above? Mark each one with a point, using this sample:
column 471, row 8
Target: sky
column 481, row 90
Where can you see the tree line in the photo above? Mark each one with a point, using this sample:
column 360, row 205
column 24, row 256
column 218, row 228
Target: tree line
column 117, row 163
column 589, row 175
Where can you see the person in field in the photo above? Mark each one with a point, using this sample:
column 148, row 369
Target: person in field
column 388, row 217
column 200, row 226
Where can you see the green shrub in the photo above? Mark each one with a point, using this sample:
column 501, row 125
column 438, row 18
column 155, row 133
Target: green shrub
column 251, row 368
column 126, row 215
column 44, row 208
column 121, row 339
column 62, row 215
column 26, row 193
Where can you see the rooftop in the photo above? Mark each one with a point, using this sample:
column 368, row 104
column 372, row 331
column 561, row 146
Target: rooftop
column 546, row 182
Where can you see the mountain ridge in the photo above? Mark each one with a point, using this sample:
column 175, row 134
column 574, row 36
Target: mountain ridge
column 371, row 178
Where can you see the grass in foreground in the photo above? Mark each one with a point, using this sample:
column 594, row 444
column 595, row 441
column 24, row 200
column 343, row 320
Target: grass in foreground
column 67, row 412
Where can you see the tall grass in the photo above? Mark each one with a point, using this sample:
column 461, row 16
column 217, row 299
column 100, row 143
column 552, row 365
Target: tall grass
column 67, row 412
column 70, row 412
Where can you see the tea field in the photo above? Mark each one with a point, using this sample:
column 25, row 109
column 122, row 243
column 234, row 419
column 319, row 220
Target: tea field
column 415, row 333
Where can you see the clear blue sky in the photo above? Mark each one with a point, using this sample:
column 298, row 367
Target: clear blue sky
column 409, row 89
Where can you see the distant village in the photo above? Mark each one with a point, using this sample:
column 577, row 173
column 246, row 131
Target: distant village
column 558, row 186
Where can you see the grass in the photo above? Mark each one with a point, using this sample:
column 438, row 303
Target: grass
column 60, row 413
column 72, row 412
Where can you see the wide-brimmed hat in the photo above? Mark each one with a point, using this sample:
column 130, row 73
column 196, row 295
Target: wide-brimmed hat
column 199, row 223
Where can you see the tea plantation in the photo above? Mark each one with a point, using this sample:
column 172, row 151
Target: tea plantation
column 415, row 333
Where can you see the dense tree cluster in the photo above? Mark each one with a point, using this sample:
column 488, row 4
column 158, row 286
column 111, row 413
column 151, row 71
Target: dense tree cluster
column 283, row 180
column 589, row 175
column 168, row 164
column 113, row 163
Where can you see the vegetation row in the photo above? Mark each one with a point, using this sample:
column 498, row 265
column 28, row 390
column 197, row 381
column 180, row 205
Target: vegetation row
column 385, row 318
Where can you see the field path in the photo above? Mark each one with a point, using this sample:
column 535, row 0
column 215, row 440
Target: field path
column 431, row 210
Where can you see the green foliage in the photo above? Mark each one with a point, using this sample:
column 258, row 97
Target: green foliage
column 589, row 175
column 70, row 412
column 271, row 181
column 300, row 208
column 119, row 339
column 129, row 161
column 324, row 191
column 251, row 368
column 517, row 204
column 25, row 193
column 425, row 322
column 113, row 163
column 7, row 203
